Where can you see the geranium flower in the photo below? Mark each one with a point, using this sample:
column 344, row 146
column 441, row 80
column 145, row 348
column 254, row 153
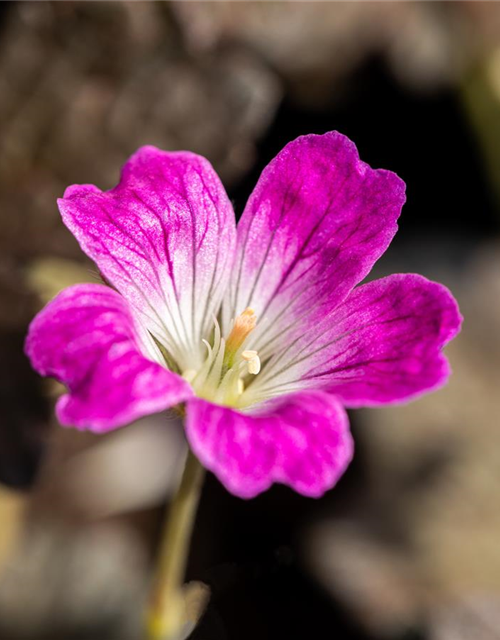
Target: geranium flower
column 260, row 330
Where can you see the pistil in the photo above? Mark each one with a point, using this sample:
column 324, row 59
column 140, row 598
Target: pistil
column 243, row 325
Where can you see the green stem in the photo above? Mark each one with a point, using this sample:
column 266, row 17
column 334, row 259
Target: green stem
column 166, row 615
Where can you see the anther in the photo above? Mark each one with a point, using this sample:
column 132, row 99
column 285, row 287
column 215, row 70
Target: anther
column 253, row 361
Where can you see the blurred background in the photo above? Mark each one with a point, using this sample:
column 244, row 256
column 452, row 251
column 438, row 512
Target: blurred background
column 407, row 547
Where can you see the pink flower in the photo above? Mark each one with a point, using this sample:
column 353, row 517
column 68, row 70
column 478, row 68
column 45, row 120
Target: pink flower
column 260, row 330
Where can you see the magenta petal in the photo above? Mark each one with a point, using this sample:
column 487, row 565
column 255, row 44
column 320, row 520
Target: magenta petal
column 314, row 226
column 164, row 238
column 301, row 440
column 86, row 339
column 382, row 344
column 395, row 330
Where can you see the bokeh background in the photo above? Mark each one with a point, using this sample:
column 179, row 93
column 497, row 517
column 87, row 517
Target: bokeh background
column 407, row 546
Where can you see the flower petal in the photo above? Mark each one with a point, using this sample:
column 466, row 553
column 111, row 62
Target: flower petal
column 382, row 344
column 86, row 338
column 315, row 224
column 164, row 238
column 301, row 440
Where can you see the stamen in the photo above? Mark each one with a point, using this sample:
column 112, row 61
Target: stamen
column 189, row 375
column 253, row 361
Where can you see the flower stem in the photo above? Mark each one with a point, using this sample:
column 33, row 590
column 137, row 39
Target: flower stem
column 166, row 614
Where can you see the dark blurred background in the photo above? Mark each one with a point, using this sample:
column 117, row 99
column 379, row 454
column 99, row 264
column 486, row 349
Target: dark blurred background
column 407, row 546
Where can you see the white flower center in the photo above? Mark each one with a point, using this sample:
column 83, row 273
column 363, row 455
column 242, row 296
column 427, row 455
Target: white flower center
column 228, row 367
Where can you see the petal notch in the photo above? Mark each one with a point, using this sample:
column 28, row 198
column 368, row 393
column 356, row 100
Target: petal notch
column 301, row 440
column 164, row 238
column 317, row 221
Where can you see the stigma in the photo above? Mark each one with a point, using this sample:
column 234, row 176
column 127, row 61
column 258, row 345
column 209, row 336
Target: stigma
column 242, row 327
